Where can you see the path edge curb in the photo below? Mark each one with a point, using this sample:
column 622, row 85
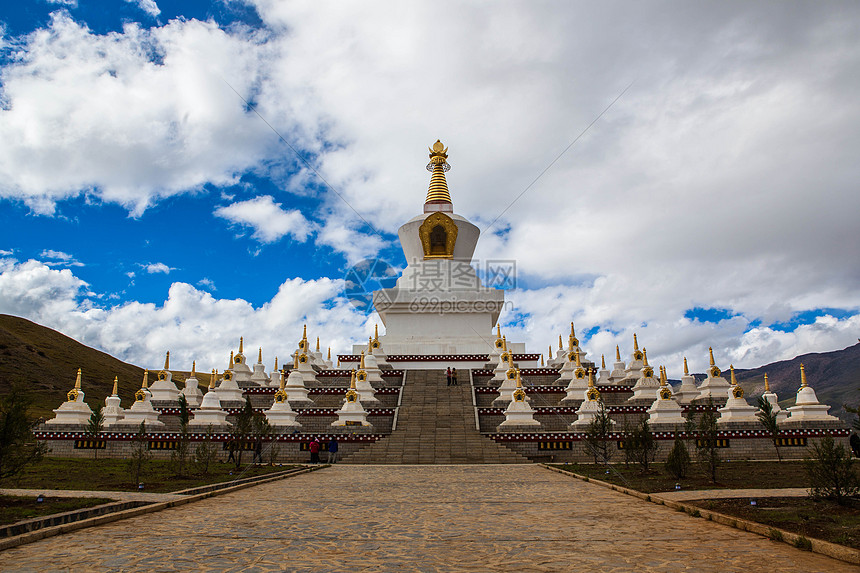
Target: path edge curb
column 46, row 532
column 826, row 548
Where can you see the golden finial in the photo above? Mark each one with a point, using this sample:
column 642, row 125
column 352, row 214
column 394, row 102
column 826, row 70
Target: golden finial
column 549, row 354
column 635, row 342
column 766, row 384
column 231, row 361
column 145, row 379
column 505, row 342
column 711, row 354
column 578, row 363
column 662, row 375
column 283, row 380
column 519, row 380
column 617, row 354
column 686, row 370
column 602, row 362
column 296, row 360
column 572, row 333
column 212, row 379
column 645, row 357
column 376, row 332
column 241, row 345
column 361, row 362
column 590, row 378
column 305, row 332
column 260, row 355
column 352, row 381
column 78, row 380
column 193, row 369
column 498, row 331
column 732, row 379
column 115, row 383
column 541, row 361
column 329, row 353
column 802, row 376
column 167, row 361
column 318, row 343
column 370, row 345
column 560, row 345
column 276, row 363
column 438, row 191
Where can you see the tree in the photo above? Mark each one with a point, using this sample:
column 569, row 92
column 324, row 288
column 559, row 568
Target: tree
column 205, row 453
column 642, row 445
column 706, row 443
column 17, row 446
column 597, row 435
column 261, row 430
column 678, row 462
column 179, row 456
column 831, row 472
column 242, row 430
column 767, row 417
column 140, row 454
column 94, row 427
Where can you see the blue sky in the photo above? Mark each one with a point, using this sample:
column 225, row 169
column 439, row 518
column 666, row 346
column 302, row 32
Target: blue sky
column 147, row 208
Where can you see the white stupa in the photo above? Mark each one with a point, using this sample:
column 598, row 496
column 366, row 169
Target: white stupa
column 317, row 360
column 636, row 364
column 309, row 375
column 74, row 410
column 806, row 407
column 781, row 415
column 163, row 389
column 295, row 386
column 259, row 376
column 506, row 390
column 113, row 412
column 565, row 374
column 580, row 381
column 241, row 372
column 603, row 373
column 210, row 412
column 736, row 409
column 280, row 415
column 589, row 409
column 665, row 410
column 714, row 388
column 557, row 359
column 519, row 413
column 505, row 363
column 274, row 379
column 688, row 390
column 352, row 413
column 142, row 410
column 366, row 393
column 228, row 390
column 618, row 368
column 328, row 363
column 378, row 351
column 646, row 385
column 192, row 392
column 497, row 347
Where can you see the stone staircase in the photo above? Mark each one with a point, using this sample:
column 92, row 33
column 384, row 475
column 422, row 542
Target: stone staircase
column 435, row 425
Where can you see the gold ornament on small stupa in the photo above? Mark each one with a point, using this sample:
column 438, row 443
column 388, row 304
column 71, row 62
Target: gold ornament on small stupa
column 438, row 166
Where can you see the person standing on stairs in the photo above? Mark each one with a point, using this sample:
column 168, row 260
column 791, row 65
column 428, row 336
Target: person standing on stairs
column 332, row 450
column 453, row 377
column 448, row 374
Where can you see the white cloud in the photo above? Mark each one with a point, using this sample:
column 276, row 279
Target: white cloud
column 6, row 253
column 60, row 259
column 66, row 3
column 207, row 284
column 153, row 268
column 268, row 219
column 148, row 6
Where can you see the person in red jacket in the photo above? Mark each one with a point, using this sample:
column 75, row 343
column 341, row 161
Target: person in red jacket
column 314, row 447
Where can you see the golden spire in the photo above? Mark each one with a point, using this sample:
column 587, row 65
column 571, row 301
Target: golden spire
column 733, row 380
column 645, row 357
column 283, row 380
column 352, row 381
column 635, row 342
column 276, row 363
column 145, row 378
column 212, row 378
column 519, row 380
column 505, row 342
column 305, row 332
column 241, row 345
column 498, row 331
column 711, row 353
column 549, row 354
column 802, row 376
column 560, row 346
column 438, row 191
column 361, row 362
column 193, row 369
column 602, row 362
column 578, row 363
column 78, row 380
column 231, row 361
column 318, row 343
column 541, row 360
column 167, row 361
column 376, row 332
column 766, row 384
column 115, row 383
column 686, row 370
column 260, row 355
column 617, row 354
column 329, row 353
column 296, row 360
column 590, row 378
column 662, row 375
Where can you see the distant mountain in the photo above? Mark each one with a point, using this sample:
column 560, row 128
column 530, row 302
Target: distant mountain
column 835, row 377
column 46, row 362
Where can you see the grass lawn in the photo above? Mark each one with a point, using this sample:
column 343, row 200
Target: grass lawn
column 824, row 519
column 730, row 475
column 113, row 475
column 15, row 508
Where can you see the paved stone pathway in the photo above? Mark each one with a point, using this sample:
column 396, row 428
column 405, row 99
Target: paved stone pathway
column 117, row 495
column 728, row 493
column 417, row 518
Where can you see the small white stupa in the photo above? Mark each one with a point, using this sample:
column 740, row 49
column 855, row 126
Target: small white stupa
column 317, row 359
column 636, row 364
column 305, row 368
column 163, row 389
column 304, row 346
column 646, row 385
column 328, row 363
column 295, row 386
column 274, row 379
column 74, row 410
column 142, row 410
column 603, row 373
column 589, row 409
column 714, row 388
column 259, row 376
column 781, row 415
column 192, row 392
column 210, row 412
column 519, row 413
column 228, row 390
column 377, row 350
column 280, row 415
column 505, row 363
column 688, row 390
column 618, row 368
column 557, row 359
column 371, row 366
column 496, row 348
column 352, row 413
column 665, row 410
column 579, row 382
column 241, row 372
column 113, row 412
column 806, row 407
column 366, row 393
column 568, row 368
column 736, row 409
column 506, row 390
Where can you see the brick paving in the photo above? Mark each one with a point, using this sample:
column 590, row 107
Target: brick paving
column 117, row 495
column 417, row 518
column 730, row 493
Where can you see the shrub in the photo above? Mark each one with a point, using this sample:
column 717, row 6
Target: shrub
column 774, row 534
column 17, row 446
column 803, row 543
column 831, row 472
column 678, row 462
